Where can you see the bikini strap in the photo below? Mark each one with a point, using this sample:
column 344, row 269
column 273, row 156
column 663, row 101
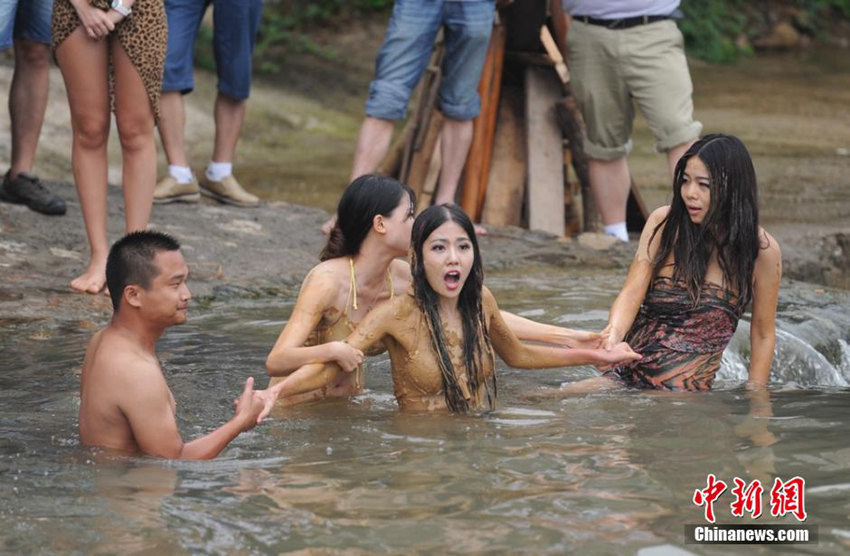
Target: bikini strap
column 352, row 286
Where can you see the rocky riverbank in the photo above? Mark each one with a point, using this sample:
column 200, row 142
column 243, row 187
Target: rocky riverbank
column 235, row 252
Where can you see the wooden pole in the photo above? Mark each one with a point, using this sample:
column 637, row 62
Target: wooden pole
column 474, row 160
column 506, row 181
column 545, row 199
column 499, row 38
column 429, row 185
column 421, row 160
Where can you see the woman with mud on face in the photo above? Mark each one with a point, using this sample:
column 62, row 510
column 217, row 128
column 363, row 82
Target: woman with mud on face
column 360, row 269
column 700, row 262
column 441, row 336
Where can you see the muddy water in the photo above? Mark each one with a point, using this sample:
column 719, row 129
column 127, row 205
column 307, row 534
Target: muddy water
column 609, row 473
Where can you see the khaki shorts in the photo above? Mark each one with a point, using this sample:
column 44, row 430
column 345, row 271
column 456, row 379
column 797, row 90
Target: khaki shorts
column 647, row 64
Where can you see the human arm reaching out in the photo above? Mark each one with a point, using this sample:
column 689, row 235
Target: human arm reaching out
column 529, row 330
column 370, row 331
column 317, row 294
column 149, row 413
column 766, row 276
column 627, row 304
column 526, row 356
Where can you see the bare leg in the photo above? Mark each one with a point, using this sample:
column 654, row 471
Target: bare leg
column 610, row 181
column 456, row 139
column 84, row 65
column 373, row 142
column 229, row 116
column 135, row 118
column 27, row 102
column 674, row 154
column 172, row 122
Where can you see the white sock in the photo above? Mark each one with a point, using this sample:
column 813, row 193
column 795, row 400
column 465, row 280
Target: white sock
column 217, row 171
column 617, row 230
column 183, row 174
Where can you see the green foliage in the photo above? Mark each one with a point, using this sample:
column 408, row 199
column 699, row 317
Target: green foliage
column 712, row 28
column 204, row 56
column 720, row 31
column 286, row 24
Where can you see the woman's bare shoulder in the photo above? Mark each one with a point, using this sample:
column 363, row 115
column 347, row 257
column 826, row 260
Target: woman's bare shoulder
column 770, row 255
column 324, row 282
column 767, row 242
column 658, row 215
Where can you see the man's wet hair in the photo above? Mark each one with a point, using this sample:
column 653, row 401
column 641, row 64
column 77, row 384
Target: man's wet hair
column 131, row 261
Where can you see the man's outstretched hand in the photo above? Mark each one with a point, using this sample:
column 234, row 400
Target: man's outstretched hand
column 250, row 406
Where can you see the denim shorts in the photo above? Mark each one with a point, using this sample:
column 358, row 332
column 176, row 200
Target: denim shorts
column 235, row 25
column 25, row 19
column 407, row 47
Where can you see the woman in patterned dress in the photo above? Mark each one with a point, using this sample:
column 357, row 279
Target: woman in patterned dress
column 111, row 53
column 700, row 263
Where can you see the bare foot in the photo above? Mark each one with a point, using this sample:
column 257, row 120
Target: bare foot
column 479, row 230
column 93, row 280
column 328, row 225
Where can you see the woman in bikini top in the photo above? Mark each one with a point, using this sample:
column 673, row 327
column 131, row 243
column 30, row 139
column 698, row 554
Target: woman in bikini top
column 442, row 335
column 360, row 269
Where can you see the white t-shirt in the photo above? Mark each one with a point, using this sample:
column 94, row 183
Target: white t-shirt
column 619, row 9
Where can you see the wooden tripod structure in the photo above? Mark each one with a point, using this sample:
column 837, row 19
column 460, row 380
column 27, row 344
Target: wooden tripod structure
column 526, row 138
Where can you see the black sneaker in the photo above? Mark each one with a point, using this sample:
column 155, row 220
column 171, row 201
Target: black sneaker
column 27, row 190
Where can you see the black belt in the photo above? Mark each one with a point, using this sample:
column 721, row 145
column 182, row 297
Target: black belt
column 624, row 23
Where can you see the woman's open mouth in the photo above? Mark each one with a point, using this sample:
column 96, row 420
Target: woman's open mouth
column 452, row 279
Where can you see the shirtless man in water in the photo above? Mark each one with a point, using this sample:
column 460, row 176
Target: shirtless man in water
column 126, row 404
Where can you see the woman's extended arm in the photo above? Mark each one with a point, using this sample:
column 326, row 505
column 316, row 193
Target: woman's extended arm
column 626, row 305
column 529, row 330
column 318, row 293
column 370, row 331
column 766, row 276
column 525, row 356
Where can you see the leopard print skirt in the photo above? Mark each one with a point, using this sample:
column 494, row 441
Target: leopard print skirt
column 143, row 35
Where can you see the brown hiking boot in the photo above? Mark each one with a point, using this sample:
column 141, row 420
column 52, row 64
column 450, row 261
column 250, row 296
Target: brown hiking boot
column 169, row 190
column 228, row 191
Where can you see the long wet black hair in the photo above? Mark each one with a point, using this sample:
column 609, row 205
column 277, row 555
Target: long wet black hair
column 476, row 340
column 364, row 198
column 730, row 227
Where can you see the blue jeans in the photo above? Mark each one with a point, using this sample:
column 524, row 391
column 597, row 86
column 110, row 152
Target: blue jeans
column 407, row 47
column 25, row 19
column 235, row 25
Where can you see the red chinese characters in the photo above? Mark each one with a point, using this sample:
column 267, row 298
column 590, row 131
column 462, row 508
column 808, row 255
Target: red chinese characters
column 788, row 497
column 707, row 496
column 747, row 498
